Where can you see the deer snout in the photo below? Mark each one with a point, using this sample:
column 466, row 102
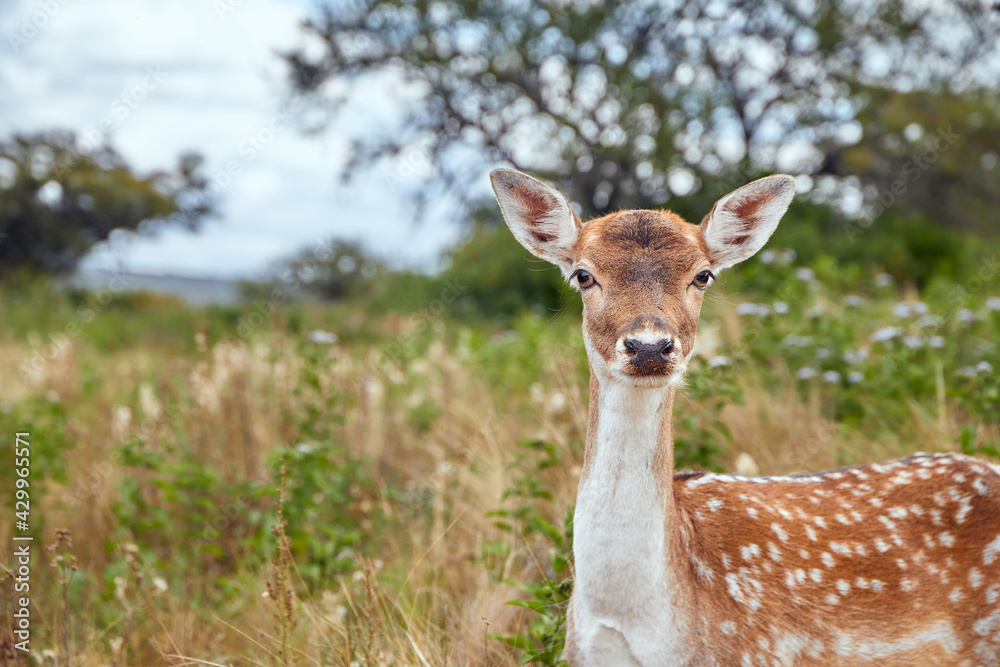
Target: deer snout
column 651, row 355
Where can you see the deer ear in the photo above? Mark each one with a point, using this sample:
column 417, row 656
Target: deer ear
column 741, row 222
column 539, row 217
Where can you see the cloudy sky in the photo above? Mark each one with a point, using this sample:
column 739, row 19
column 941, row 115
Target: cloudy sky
column 165, row 77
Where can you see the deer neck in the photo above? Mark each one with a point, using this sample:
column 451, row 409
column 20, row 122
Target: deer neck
column 626, row 522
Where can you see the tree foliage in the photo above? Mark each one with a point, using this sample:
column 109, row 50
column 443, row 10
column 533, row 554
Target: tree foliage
column 57, row 202
column 627, row 104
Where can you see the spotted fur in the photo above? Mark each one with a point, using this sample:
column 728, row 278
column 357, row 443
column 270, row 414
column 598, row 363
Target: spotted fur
column 895, row 563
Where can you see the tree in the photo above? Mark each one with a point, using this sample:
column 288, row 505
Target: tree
column 57, row 202
column 626, row 104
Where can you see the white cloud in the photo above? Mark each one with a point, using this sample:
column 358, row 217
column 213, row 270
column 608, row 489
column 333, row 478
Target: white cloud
column 222, row 84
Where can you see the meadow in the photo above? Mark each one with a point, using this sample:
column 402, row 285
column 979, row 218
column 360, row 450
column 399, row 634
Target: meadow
column 342, row 484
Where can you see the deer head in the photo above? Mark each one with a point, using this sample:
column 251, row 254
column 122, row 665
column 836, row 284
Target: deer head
column 642, row 274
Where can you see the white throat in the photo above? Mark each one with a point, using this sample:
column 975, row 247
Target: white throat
column 624, row 511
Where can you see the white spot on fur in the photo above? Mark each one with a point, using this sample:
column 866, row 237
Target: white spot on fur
column 991, row 550
column 975, row 577
column 780, row 532
column 827, row 559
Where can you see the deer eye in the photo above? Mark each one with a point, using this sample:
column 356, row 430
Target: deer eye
column 701, row 280
column 584, row 279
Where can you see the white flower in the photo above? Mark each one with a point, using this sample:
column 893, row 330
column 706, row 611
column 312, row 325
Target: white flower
column 929, row 321
column 557, row 403
column 884, row 280
column 936, row 341
column 758, row 309
column 323, row 337
column 806, row 274
column 304, row 448
column 781, row 308
column 805, row 373
column 815, row 311
column 967, row 371
column 920, row 308
column 913, row 342
column 993, row 303
column 854, row 300
column 791, row 340
column 833, row 377
column 160, row 584
column 885, row 334
column 767, row 257
column 984, row 367
column 856, row 357
column 822, row 353
column 855, row 377
column 787, row 257
column 966, row 315
column 901, row 310
column 718, row 361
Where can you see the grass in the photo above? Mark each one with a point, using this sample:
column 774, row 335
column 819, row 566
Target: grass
column 219, row 489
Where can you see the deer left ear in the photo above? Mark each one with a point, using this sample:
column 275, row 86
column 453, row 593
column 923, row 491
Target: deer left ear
column 539, row 216
column 741, row 222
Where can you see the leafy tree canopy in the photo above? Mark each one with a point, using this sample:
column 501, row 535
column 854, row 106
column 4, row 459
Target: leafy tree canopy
column 57, row 202
column 628, row 104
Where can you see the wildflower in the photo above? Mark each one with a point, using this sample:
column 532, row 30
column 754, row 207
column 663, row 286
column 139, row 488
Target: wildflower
column 557, row 403
column 936, row 341
column 304, row 448
column 854, row 377
column 901, row 310
column 815, row 311
column 913, row 342
column 855, row 356
column 745, row 465
column 160, row 585
column 791, row 340
column 822, row 353
column 929, row 321
column 758, row 309
column 966, row 315
column 714, row 362
column 805, row 274
column 884, row 280
column 967, row 371
column 833, row 377
column 885, row 334
column 984, row 367
column 993, row 303
column 919, row 308
column 767, row 257
column 781, row 308
column 854, row 300
column 787, row 257
column 805, row 373
column 323, row 337
column 444, row 467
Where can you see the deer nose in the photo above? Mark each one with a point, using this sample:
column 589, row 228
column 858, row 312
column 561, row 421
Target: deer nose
column 645, row 353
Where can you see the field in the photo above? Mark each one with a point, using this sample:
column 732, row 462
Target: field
column 238, row 486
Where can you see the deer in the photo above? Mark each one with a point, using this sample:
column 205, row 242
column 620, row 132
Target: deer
column 894, row 563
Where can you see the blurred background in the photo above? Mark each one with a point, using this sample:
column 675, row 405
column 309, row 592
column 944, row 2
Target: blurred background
column 296, row 395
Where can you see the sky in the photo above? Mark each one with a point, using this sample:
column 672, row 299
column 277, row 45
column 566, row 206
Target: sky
column 159, row 78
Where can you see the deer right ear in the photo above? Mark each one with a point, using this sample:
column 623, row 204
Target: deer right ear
column 539, row 217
